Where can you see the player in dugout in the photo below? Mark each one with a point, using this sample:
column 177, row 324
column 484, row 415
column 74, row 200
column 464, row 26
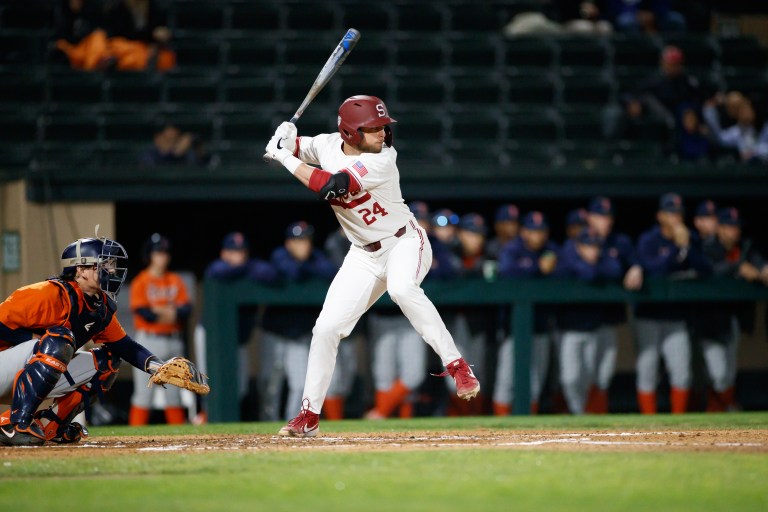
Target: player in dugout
column 359, row 178
column 43, row 325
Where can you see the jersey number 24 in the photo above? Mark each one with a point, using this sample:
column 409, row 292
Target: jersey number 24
column 370, row 216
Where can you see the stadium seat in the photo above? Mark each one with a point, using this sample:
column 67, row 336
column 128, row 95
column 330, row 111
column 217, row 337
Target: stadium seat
column 314, row 121
column 85, row 89
column 421, row 89
column 473, row 52
column 255, row 90
column 486, row 89
column 18, row 127
column 68, row 128
column 419, row 125
column 478, row 159
column 192, row 90
column 194, row 53
column 247, row 127
column 313, row 16
column 351, row 85
column 587, row 88
column 525, row 52
column 420, row 53
column 532, row 125
column 750, row 81
column 309, row 50
column 477, row 17
column 197, row 14
column 480, row 125
column 375, row 56
column 425, row 17
column 628, row 79
column 371, row 18
column 30, row 14
column 15, row 155
column 530, row 89
column 742, row 52
column 22, row 48
column 585, row 125
column 294, row 87
column 635, row 51
column 251, row 55
column 22, row 89
column 130, row 128
column 140, row 88
column 250, row 15
column 582, row 52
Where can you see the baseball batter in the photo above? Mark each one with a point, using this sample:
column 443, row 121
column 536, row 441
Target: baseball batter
column 389, row 251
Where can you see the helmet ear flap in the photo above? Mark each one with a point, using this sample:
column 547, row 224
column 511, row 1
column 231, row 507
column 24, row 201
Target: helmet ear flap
column 388, row 136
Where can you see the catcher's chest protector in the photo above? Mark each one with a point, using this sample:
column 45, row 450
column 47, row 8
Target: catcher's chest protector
column 87, row 323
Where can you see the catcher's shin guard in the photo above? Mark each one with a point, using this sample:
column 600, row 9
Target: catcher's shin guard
column 50, row 357
column 59, row 416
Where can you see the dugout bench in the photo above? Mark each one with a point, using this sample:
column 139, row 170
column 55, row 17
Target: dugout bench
column 222, row 301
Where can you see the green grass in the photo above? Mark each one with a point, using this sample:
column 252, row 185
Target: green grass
column 400, row 481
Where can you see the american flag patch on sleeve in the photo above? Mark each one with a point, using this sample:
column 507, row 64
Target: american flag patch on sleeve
column 360, row 168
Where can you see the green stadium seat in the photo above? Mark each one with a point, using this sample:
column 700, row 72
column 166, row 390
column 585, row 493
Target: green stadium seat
column 419, row 125
column 250, row 55
column 524, row 52
column 477, row 17
column 582, row 52
column 139, row 88
column 296, row 85
column 18, row 127
column 372, row 18
column 194, row 53
column 628, row 79
column 351, row 85
column 420, row 53
column 192, row 90
column 533, row 152
column 750, row 81
column 29, row 14
column 68, row 128
column 635, row 51
column 248, row 127
column 314, row 121
column 421, row 89
column 250, row 15
column 425, row 17
column 314, row 16
column 122, row 154
column 197, row 14
column 85, row 89
column 22, row 89
column 483, row 125
column 585, row 125
column 742, row 52
column 17, row 155
column 486, row 89
column 22, row 48
column 474, row 52
column 478, row 159
column 527, row 124
column 587, row 88
column 130, row 128
column 309, row 50
column 257, row 90
column 531, row 89
column 374, row 56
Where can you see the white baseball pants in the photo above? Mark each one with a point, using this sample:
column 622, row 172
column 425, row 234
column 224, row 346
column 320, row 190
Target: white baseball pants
column 398, row 352
column 607, row 350
column 578, row 350
column 721, row 357
column 503, row 392
column 165, row 348
column 398, row 267
column 662, row 338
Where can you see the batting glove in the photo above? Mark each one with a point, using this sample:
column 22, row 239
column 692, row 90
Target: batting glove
column 277, row 151
column 288, row 132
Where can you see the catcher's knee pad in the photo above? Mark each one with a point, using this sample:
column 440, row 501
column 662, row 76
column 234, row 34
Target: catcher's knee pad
column 107, row 365
column 50, row 357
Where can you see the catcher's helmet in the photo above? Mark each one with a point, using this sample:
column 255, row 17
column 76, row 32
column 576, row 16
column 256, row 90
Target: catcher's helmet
column 102, row 253
column 363, row 112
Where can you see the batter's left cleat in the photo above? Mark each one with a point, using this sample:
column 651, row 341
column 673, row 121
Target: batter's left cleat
column 467, row 385
column 306, row 424
column 22, row 435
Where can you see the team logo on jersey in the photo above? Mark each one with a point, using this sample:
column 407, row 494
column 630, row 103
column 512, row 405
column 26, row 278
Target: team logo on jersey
column 88, row 326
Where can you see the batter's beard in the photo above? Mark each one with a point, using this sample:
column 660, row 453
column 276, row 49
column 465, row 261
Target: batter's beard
column 369, row 148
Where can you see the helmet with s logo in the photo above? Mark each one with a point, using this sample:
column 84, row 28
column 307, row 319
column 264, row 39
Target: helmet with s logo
column 363, row 112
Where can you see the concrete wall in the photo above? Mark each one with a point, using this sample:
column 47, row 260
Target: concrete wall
column 45, row 229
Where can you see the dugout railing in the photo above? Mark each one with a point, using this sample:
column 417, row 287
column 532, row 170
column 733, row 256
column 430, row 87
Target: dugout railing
column 222, row 302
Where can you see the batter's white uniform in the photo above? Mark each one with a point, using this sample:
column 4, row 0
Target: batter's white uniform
column 373, row 214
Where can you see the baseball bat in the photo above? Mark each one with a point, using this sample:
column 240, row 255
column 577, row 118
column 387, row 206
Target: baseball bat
column 334, row 62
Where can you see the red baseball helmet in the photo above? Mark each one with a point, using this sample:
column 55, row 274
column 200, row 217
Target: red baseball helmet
column 363, row 112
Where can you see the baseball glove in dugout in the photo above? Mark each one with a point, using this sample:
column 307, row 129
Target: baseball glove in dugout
column 183, row 373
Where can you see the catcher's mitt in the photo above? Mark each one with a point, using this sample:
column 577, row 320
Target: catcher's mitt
column 183, row 373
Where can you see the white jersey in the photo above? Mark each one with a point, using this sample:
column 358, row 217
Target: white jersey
column 377, row 210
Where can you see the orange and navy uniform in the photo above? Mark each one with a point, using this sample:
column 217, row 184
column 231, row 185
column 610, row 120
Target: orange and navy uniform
column 149, row 291
column 32, row 309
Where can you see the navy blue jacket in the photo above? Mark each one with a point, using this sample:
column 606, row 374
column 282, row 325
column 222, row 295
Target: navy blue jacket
column 620, row 247
column 295, row 321
column 516, row 261
column 584, row 317
column 660, row 257
column 256, row 270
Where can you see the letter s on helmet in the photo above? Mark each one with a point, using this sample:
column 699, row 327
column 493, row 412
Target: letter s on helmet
column 363, row 112
column 104, row 254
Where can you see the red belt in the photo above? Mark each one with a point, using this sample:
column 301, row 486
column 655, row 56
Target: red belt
column 375, row 246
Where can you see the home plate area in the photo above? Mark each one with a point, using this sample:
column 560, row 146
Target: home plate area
column 700, row 440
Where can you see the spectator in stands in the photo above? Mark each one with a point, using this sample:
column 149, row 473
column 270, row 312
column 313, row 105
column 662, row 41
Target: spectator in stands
column 692, row 142
column 666, row 93
column 530, row 255
column 161, row 306
column 616, row 246
column 644, row 16
column 444, row 227
column 583, row 17
column 234, row 263
column 745, row 137
column 127, row 35
column 668, row 249
column 582, row 258
column 705, row 221
column 575, row 222
column 171, row 146
column 75, row 19
column 288, row 331
column 718, row 326
column 506, row 228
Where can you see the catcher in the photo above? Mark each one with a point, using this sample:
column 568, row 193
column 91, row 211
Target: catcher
column 43, row 325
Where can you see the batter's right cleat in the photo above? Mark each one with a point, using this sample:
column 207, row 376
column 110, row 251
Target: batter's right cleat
column 306, row 424
column 467, row 385
column 22, row 435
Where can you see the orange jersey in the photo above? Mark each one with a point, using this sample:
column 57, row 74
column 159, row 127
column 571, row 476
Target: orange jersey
column 148, row 291
column 30, row 310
